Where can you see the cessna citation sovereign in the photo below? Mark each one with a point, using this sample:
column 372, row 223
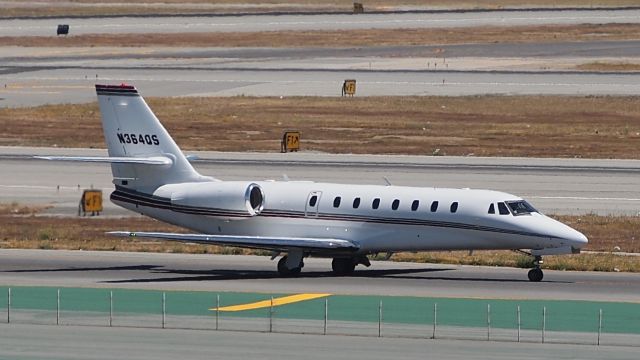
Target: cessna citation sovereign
column 344, row 222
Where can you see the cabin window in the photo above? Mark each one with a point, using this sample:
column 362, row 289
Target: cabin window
column 492, row 209
column 395, row 204
column 414, row 205
column 502, row 209
column 356, row 203
column 376, row 203
column 336, row 202
column 521, row 207
column 313, row 200
column 454, row 207
column 434, row 206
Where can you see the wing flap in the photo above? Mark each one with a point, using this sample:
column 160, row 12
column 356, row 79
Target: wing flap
column 258, row 242
column 152, row 160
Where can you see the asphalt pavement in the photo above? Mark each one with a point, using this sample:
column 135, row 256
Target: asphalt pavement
column 253, row 23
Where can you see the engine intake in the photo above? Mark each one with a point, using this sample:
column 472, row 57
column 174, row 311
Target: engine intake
column 254, row 198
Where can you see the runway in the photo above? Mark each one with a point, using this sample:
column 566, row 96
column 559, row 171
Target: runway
column 554, row 186
column 36, row 76
column 65, row 342
column 73, row 85
column 232, row 273
column 253, row 23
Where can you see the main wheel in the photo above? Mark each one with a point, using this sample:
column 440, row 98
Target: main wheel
column 535, row 275
column 283, row 270
column 343, row 266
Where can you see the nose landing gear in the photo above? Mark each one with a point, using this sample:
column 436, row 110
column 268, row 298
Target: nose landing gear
column 536, row 274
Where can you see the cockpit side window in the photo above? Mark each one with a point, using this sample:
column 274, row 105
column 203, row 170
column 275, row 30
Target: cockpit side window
column 502, row 209
column 521, row 207
column 492, row 209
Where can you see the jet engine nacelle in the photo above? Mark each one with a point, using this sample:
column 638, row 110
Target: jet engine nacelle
column 223, row 198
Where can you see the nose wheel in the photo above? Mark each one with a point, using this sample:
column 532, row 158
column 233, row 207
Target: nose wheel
column 536, row 274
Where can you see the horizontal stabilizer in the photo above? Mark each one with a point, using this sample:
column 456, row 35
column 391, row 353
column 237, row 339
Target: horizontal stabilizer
column 257, row 242
column 153, row 160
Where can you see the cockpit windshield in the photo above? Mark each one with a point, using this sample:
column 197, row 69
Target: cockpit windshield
column 520, row 207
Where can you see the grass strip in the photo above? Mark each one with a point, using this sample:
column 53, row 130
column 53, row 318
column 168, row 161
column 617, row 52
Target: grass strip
column 538, row 126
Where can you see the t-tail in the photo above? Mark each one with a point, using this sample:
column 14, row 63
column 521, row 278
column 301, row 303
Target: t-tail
column 142, row 154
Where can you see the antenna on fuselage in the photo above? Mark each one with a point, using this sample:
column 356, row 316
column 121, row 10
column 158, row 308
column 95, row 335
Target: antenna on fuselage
column 388, row 183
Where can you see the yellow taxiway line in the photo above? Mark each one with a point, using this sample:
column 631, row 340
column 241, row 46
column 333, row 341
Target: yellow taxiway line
column 268, row 303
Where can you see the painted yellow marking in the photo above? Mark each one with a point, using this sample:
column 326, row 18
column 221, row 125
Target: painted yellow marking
column 276, row 302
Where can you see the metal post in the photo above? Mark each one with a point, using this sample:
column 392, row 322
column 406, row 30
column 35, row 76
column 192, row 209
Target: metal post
column 435, row 319
column 519, row 323
column 9, row 306
column 58, row 308
column 164, row 308
column 380, row 319
column 544, row 321
column 599, row 325
column 111, row 308
column 488, row 322
column 271, row 316
column 217, row 309
column 326, row 315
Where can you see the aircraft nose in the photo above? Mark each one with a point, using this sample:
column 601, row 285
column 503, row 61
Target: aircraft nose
column 578, row 239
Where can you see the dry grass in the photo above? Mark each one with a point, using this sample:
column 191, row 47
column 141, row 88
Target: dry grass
column 609, row 66
column 541, row 126
column 36, row 232
column 147, row 7
column 346, row 38
column 15, row 208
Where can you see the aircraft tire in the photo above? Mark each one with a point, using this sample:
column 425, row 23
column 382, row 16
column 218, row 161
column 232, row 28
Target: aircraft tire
column 343, row 266
column 535, row 275
column 284, row 271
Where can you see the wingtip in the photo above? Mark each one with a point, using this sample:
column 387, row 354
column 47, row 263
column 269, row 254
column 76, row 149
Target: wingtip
column 121, row 233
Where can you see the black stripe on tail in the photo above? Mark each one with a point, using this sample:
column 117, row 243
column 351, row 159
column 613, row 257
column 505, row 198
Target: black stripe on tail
column 120, row 90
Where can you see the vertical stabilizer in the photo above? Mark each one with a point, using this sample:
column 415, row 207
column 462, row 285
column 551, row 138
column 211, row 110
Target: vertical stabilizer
column 131, row 130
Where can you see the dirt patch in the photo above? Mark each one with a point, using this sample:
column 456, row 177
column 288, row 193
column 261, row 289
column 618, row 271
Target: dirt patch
column 540, row 126
column 345, row 38
column 609, row 66
column 152, row 7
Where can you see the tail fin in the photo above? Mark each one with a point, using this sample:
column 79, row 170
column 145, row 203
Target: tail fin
column 131, row 130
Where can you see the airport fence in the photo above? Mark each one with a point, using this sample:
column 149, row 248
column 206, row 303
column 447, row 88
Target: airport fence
column 573, row 322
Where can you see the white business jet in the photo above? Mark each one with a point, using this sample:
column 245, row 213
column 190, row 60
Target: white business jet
column 299, row 219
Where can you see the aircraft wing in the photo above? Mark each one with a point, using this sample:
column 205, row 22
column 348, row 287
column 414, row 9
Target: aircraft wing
column 256, row 242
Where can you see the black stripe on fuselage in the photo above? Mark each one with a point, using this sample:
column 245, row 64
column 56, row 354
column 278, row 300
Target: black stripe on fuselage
column 138, row 198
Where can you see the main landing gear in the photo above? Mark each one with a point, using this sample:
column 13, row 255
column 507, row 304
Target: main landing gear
column 346, row 266
column 291, row 264
column 284, row 270
column 536, row 274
